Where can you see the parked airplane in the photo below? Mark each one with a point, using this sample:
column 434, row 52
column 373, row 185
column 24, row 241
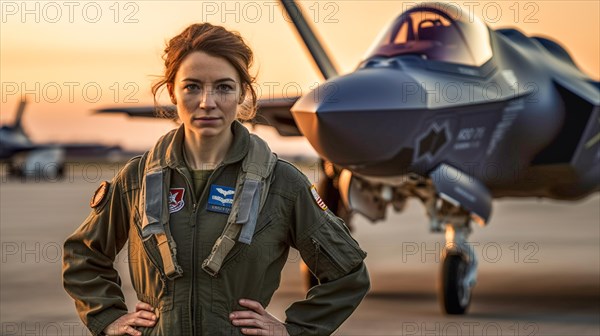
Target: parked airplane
column 26, row 158
column 451, row 112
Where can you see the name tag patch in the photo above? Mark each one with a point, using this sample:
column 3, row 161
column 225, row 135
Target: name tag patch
column 220, row 199
column 176, row 202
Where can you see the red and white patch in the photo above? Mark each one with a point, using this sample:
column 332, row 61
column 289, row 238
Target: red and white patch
column 320, row 203
column 176, row 202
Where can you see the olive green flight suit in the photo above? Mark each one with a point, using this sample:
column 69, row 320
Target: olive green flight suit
column 197, row 303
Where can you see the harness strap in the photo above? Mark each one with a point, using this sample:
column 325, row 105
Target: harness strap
column 168, row 254
column 252, row 187
column 155, row 217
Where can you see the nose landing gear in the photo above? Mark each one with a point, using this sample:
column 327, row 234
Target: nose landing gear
column 458, row 271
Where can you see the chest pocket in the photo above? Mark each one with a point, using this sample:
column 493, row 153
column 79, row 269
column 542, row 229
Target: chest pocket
column 252, row 271
column 262, row 238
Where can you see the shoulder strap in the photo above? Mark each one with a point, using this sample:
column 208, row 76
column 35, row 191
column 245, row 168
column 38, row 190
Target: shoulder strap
column 252, row 188
column 141, row 164
column 155, row 216
column 256, row 170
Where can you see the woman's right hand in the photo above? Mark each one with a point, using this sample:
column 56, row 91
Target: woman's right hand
column 125, row 325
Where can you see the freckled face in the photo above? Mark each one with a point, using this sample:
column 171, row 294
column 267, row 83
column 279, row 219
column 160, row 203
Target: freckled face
column 207, row 91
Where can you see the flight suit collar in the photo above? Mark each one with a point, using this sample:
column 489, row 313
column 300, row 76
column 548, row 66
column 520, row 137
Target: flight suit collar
column 168, row 151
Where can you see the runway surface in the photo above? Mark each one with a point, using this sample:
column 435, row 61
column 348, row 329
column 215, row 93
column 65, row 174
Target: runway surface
column 539, row 268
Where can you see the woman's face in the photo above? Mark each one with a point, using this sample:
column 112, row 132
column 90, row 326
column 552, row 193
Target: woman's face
column 207, row 91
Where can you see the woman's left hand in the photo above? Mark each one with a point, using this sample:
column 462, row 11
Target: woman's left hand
column 257, row 321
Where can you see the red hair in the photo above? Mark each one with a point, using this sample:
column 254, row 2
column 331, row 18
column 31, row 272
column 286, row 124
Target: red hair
column 217, row 42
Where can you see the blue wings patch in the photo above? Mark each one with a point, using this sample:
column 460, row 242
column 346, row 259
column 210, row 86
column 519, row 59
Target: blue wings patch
column 220, row 199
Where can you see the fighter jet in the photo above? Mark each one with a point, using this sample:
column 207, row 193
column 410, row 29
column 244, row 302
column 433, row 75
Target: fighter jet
column 47, row 161
column 452, row 112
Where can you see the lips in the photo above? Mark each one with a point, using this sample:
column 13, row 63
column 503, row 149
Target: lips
column 207, row 121
column 206, row 118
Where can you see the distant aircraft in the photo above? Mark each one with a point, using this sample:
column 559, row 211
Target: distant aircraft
column 26, row 158
column 453, row 113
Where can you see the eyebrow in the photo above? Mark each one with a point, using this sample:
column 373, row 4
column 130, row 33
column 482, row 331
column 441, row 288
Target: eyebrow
column 226, row 79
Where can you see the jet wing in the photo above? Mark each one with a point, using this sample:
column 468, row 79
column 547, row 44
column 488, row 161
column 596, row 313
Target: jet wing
column 274, row 112
column 137, row 111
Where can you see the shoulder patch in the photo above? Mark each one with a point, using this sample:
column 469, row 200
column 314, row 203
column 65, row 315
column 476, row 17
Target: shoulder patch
column 100, row 194
column 318, row 200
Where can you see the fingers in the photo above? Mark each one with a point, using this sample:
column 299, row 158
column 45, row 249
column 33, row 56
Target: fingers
column 248, row 323
column 256, row 321
column 140, row 322
column 129, row 330
column 142, row 319
column 250, row 331
column 271, row 330
column 125, row 325
column 143, row 306
column 146, row 315
column 254, row 305
column 122, row 329
column 244, row 314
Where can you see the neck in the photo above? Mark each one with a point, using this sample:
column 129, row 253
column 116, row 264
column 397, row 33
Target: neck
column 205, row 152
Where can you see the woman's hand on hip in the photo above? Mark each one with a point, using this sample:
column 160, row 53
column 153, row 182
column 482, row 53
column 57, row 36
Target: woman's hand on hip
column 125, row 325
column 257, row 321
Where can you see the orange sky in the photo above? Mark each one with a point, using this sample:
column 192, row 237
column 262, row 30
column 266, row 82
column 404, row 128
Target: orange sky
column 79, row 55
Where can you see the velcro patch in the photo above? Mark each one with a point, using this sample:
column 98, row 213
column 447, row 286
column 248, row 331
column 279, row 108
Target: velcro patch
column 220, row 199
column 100, row 194
column 176, row 202
column 315, row 194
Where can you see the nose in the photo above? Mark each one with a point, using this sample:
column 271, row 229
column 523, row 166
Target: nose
column 207, row 100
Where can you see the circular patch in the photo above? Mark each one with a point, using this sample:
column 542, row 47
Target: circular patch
column 315, row 194
column 100, row 194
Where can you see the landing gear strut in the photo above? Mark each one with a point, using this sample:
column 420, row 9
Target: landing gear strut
column 459, row 264
column 453, row 201
column 458, row 271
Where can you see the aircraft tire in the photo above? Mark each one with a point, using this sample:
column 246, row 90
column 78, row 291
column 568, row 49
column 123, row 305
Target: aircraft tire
column 453, row 298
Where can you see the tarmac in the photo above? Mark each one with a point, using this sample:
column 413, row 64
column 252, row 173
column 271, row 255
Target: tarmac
column 539, row 266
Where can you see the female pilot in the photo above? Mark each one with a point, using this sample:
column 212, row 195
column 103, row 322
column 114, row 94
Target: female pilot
column 209, row 215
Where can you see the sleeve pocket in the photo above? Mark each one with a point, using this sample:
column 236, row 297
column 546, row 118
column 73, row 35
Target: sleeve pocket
column 330, row 252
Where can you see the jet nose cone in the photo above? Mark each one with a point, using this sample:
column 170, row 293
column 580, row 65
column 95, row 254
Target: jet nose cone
column 360, row 118
column 364, row 90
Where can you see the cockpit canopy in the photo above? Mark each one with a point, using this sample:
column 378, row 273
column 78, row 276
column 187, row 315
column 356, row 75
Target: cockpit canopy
column 439, row 32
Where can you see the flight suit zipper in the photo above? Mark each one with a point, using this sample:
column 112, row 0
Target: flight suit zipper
column 194, row 219
column 194, row 206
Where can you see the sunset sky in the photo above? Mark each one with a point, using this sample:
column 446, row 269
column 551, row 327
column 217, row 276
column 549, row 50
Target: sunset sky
column 72, row 57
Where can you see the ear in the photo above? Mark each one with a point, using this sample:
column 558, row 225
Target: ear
column 171, row 94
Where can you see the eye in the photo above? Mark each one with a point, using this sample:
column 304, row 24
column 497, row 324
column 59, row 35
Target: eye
column 225, row 88
column 191, row 87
